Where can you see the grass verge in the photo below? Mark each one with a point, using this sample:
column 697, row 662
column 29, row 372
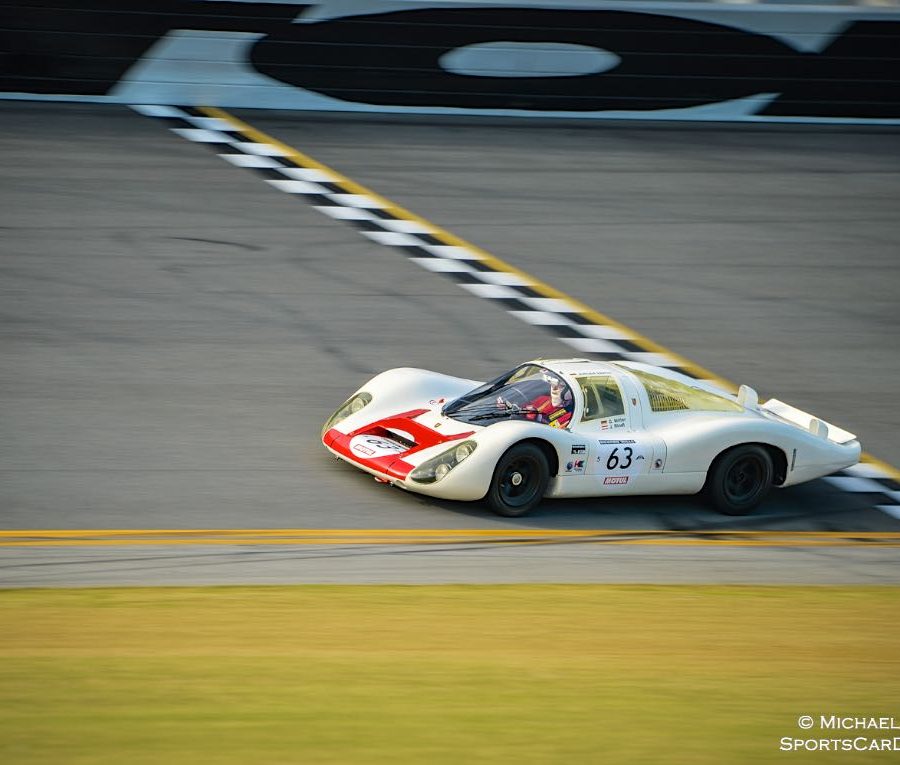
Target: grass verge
column 444, row 674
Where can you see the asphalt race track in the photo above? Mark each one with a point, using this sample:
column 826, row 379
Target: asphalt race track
column 173, row 332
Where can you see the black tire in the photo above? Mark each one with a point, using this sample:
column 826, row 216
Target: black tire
column 739, row 479
column 519, row 482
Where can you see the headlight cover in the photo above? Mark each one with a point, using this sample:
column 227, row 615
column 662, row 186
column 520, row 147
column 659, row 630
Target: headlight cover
column 351, row 406
column 436, row 468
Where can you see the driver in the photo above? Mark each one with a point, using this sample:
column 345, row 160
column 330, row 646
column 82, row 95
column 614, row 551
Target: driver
column 557, row 407
column 553, row 405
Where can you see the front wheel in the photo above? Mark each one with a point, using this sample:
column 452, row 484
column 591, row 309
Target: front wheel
column 519, row 482
column 739, row 479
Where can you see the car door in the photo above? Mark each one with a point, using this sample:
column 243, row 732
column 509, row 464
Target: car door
column 620, row 452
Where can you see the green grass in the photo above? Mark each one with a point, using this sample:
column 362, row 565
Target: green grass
column 448, row 674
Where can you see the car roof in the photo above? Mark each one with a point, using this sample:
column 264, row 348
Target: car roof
column 578, row 366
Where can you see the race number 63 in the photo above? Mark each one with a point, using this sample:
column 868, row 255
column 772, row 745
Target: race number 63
column 624, row 462
column 620, row 459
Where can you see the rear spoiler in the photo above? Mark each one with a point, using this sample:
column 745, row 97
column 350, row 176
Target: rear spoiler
column 806, row 421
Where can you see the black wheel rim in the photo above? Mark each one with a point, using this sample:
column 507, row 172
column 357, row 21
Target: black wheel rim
column 520, row 481
column 744, row 479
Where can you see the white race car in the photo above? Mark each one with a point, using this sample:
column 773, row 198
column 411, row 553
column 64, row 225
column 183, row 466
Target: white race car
column 580, row 428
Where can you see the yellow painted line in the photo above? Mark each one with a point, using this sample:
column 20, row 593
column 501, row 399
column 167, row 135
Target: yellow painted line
column 883, row 466
column 401, row 533
column 494, row 262
column 452, row 239
column 411, row 537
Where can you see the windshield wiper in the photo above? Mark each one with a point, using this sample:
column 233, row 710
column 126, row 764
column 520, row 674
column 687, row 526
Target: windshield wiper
column 504, row 413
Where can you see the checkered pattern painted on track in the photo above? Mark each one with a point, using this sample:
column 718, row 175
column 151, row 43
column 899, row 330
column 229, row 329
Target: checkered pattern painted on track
column 582, row 329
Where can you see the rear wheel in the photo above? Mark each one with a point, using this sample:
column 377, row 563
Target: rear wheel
column 519, row 482
column 739, row 479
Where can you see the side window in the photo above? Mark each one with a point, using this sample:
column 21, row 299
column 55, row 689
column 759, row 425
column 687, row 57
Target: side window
column 602, row 397
column 591, row 404
column 610, row 398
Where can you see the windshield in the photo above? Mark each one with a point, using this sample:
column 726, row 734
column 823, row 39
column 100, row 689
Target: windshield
column 530, row 392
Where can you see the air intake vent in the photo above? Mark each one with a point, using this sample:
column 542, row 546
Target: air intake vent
column 663, row 402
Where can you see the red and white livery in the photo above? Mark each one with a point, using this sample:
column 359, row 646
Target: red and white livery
column 580, row 428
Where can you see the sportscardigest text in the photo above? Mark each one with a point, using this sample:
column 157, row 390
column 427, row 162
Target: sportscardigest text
column 858, row 744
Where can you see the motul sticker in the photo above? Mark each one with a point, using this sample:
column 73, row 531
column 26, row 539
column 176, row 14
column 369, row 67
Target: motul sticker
column 615, row 480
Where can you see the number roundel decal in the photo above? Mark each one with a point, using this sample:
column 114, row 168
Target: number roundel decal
column 621, row 458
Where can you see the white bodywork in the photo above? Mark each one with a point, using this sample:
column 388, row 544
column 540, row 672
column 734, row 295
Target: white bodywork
column 640, row 452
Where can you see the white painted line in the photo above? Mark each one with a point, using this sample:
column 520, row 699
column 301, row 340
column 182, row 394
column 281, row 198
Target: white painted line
column 262, row 149
column 346, row 213
column 296, row 187
column 502, row 277
column 356, row 200
column 892, row 510
column 490, row 290
column 656, row 359
column 451, row 251
column 591, row 345
column 543, row 318
column 200, row 135
column 856, row 485
column 250, row 160
column 550, row 304
column 604, row 332
column 406, row 226
column 392, row 238
column 868, row 470
column 305, row 174
column 443, row 266
column 210, row 123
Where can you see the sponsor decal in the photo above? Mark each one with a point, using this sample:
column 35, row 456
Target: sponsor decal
column 619, row 441
column 370, row 447
column 579, row 448
column 575, row 466
column 615, row 480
